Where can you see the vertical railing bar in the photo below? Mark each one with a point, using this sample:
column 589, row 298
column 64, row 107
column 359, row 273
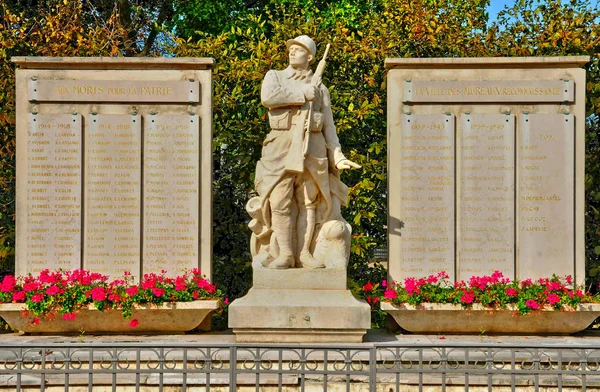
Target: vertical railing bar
column 513, row 368
column 302, row 368
column 137, row 368
column 560, row 352
column 583, row 366
column 373, row 369
column 43, row 373
column 184, row 370
column 325, row 375
column 115, row 365
column 280, row 373
column 348, row 369
column 91, row 369
column 467, row 369
column 20, row 368
column 489, row 365
column 420, row 368
column 397, row 367
column 208, row 358
column 536, row 362
column 161, row 369
column 232, row 368
column 257, row 369
column 67, row 363
column 444, row 369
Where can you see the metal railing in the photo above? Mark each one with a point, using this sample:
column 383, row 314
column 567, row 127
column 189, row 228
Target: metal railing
column 368, row 366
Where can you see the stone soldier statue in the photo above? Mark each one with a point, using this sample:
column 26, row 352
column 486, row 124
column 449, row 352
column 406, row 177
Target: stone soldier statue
column 296, row 215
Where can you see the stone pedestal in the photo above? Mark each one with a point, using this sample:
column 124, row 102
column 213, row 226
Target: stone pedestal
column 299, row 306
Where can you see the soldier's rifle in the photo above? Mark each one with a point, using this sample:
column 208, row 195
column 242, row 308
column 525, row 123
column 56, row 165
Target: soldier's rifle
column 316, row 81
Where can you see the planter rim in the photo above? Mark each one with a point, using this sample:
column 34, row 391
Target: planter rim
column 197, row 304
column 583, row 307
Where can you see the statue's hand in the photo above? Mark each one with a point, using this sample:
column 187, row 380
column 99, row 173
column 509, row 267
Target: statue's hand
column 309, row 91
column 347, row 164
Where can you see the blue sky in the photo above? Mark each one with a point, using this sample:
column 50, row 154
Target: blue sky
column 496, row 6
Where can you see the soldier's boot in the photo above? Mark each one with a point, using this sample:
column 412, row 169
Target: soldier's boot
column 306, row 258
column 282, row 228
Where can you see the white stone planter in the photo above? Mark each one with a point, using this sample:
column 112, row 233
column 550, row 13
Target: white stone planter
column 169, row 318
column 430, row 318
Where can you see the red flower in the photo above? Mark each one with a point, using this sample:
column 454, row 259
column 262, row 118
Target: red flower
column 37, row 298
column 180, row 286
column 157, row 291
column 19, row 296
column 369, row 299
column 511, row 292
column 36, row 320
column 69, row 316
column 468, row 297
column 134, row 323
column 31, row 286
column 553, row 299
column 8, row 284
column 98, row 294
column 533, row 304
column 368, row 287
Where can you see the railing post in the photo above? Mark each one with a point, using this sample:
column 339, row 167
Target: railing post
column 232, row 368
column 373, row 368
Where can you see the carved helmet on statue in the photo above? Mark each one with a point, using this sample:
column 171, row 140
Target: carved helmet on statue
column 306, row 42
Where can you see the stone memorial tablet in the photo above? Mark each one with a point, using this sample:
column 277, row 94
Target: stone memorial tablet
column 422, row 91
column 171, row 192
column 427, row 202
column 182, row 91
column 520, row 163
column 545, row 199
column 53, row 226
column 487, row 195
column 113, row 193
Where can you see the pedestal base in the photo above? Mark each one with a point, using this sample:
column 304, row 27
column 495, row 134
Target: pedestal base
column 299, row 316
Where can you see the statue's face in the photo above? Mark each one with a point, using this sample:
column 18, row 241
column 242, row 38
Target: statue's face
column 299, row 56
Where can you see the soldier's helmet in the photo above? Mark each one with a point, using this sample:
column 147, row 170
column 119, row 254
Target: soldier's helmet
column 306, row 42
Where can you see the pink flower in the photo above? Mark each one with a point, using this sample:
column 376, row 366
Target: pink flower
column 134, row 323
column 131, row 291
column 511, row 292
column 114, row 297
column 127, row 273
column 98, row 294
column 52, row 290
column 69, row 316
column 384, row 283
column 157, row 291
column 180, row 286
column 432, row 279
column 468, row 297
column 37, row 298
column 226, row 301
column 368, row 287
column 526, row 283
column 443, row 275
column 533, row 304
column 411, row 286
column 390, row 294
column 8, row 284
column 19, row 296
column 36, row 320
column 553, row 299
column 195, row 294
